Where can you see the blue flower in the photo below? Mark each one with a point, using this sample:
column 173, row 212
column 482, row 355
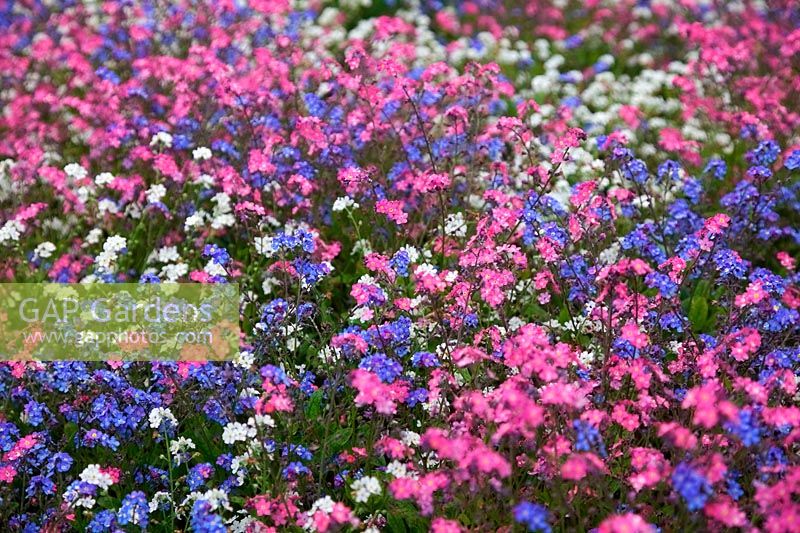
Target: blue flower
column 533, row 516
column 587, row 438
column 425, row 360
column 671, row 321
column 60, row 462
column 204, row 521
column 792, row 162
column 729, row 264
column 134, row 510
column 198, row 475
column 717, row 167
column 747, row 429
column 692, row 486
column 669, row 169
column 666, row 287
column 759, row 173
column 732, row 485
column 417, row 396
column 399, row 262
column 219, row 255
column 102, row 521
column 635, row 170
column 765, row 153
column 297, row 450
column 294, row 470
column 385, row 367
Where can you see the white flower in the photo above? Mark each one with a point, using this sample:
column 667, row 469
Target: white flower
column 83, row 194
column 264, row 246
column 159, row 415
column 330, row 354
column 156, row 193
column 236, row 432
column 158, row 498
column 261, row 420
column 243, row 525
column 411, row 252
column 213, row 268
column 324, row 504
column 515, row 323
column 222, row 216
column 223, row 202
column 175, row 271
column 223, row 221
column 195, row 220
column 425, row 269
column 94, row 236
column 11, row 231
column 106, row 205
column 87, row 502
column 455, row 225
column 92, row 474
column 162, row 137
column 216, row 497
column 397, row 469
column 105, row 260
column 104, row 178
column 362, row 314
column 167, row 254
column 44, row 250
column 75, row 171
column 181, row 445
column 205, row 180
column 409, row 438
column 344, row 202
column 201, row 153
column 586, row 357
column 362, row 246
column 245, row 359
column 365, row 487
column 115, row 243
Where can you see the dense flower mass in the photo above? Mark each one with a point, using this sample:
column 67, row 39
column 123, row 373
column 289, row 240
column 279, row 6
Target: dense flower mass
column 504, row 265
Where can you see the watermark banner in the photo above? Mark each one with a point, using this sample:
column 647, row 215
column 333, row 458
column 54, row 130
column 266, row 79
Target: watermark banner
column 118, row 322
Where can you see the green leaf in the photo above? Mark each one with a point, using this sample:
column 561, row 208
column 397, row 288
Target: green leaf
column 395, row 524
column 314, row 407
column 698, row 311
column 70, row 430
column 341, row 438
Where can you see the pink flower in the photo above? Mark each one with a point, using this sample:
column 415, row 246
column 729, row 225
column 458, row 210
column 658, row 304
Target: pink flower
column 650, row 465
column 431, row 182
column 579, row 465
column 7, row 473
column 372, row 391
column 392, row 209
column 467, row 355
column 704, row 399
column 625, row 523
column 726, row 512
column 786, row 260
column 625, row 419
column 632, row 334
column 492, row 284
column 716, row 224
column 754, row 294
column 678, row 435
column 442, row 525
